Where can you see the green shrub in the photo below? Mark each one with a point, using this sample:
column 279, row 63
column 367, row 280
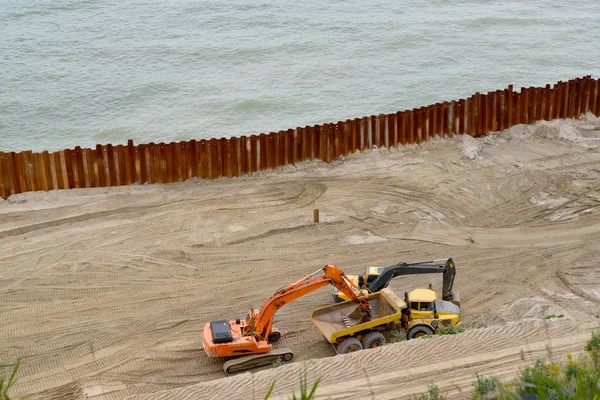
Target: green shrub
column 573, row 380
column 397, row 335
column 433, row 393
column 450, row 330
column 534, row 379
column 486, row 388
column 593, row 347
column 594, row 343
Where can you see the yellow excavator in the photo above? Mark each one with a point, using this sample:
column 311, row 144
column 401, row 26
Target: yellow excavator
column 423, row 313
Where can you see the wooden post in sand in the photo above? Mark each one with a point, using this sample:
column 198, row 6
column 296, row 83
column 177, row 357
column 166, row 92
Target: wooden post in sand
column 316, row 216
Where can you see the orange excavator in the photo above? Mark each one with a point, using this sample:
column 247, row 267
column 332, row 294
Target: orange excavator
column 249, row 339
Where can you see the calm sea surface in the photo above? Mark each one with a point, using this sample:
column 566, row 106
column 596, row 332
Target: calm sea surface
column 81, row 72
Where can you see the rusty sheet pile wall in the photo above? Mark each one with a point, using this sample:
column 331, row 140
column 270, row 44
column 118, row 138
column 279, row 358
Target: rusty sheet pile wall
column 109, row 165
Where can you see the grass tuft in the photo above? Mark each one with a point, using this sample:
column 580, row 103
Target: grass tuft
column 8, row 377
column 270, row 390
column 305, row 393
column 552, row 316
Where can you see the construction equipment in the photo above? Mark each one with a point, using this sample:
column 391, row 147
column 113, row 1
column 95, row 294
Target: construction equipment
column 422, row 313
column 389, row 314
column 387, row 309
column 250, row 339
column 376, row 279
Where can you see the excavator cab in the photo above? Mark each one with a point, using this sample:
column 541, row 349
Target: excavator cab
column 361, row 281
column 371, row 273
column 221, row 331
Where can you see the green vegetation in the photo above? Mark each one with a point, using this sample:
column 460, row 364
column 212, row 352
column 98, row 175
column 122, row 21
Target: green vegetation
column 397, row 335
column 593, row 348
column 277, row 363
column 485, row 388
column 553, row 316
column 433, row 393
column 270, row 390
column 570, row 380
column 305, row 394
column 450, row 330
column 8, row 377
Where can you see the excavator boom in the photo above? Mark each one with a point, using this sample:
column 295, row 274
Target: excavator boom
column 261, row 324
column 415, row 268
column 376, row 279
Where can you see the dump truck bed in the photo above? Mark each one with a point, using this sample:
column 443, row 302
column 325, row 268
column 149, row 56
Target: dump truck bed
column 386, row 307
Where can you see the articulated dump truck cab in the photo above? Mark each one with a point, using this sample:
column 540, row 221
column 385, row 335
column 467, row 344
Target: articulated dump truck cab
column 389, row 313
column 424, row 313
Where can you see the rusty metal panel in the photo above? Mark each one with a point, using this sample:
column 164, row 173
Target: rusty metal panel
column 502, row 109
column 254, row 153
column 509, row 107
column 596, row 98
column 484, row 110
column 236, row 165
column 110, row 159
column 337, row 136
column 204, row 159
column 47, row 170
column 565, row 101
column 274, row 150
column 4, row 180
column 129, row 163
column 80, row 173
column 435, row 129
column 446, row 119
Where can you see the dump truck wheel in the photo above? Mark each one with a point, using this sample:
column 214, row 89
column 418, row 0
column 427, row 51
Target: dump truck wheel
column 349, row 345
column 418, row 331
column 372, row 340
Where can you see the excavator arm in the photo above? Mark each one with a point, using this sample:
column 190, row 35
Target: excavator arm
column 260, row 324
column 421, row 267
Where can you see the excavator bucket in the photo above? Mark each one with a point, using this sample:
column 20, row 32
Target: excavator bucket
column 356, row 317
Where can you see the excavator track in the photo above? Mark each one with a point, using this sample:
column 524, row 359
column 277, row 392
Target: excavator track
column 256, row 360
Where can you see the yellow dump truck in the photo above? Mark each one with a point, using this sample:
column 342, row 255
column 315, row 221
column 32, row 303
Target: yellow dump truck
column 389, row 313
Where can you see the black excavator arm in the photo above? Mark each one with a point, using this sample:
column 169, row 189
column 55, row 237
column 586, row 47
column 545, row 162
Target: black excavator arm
column 420, row 267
